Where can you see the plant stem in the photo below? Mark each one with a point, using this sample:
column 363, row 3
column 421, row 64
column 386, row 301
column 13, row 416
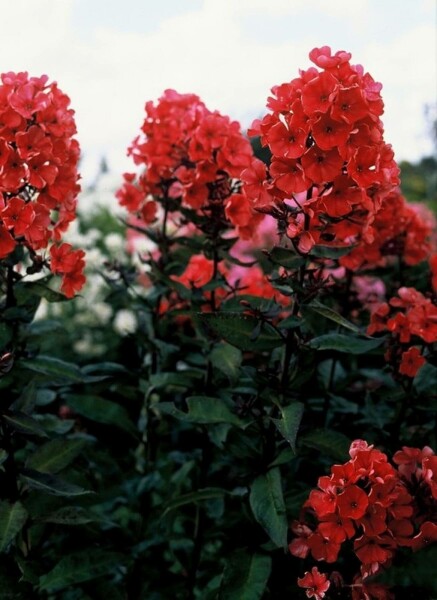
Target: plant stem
column 200, row 520
column 10, row 476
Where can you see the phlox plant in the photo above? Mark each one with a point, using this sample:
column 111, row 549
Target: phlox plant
column 259, row 420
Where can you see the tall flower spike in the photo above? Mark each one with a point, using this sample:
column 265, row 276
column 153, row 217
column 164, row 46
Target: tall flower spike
column 38, row 170
column 330, row 164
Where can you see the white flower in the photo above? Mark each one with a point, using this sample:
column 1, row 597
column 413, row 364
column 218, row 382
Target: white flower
column 102, row 311
column 114, row 242
column 125, row 322
column 94, row 258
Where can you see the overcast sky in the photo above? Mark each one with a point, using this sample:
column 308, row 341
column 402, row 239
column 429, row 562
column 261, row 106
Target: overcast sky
column 110, row 56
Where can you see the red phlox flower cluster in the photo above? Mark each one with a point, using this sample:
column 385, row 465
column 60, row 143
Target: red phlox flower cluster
column 38, row 166
column 70, row 264
column 193, row 154
column 328, row 153
column 399, row 230
column 408, row 315
column 373, row 504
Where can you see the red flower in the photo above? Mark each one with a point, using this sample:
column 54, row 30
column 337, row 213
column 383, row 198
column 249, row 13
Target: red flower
column 329, row 133
column 412, row 361
column 7, row 242
column 323, row 58
column 323, row 548
column 299, row 546
column 352, row 503
column 323, row 501
column 317, row 95
column 12, row 176
column 148, row 211
column 374, row 549
column 198, row 273
column 423, row 322
column 238, row 210
column 400, row 325
column 321, row 165
column 316, row 584
column 130, row 196
column 349, row 105
column 363, row 167
column 286, row 141
column 289, row 175
column 378, row 319
column 28, row 99
column 18, row 215
column 73, row 281
column 336, row 528
column 254, row 179
column 32, row 142
column 429, row 466
column 426, row 536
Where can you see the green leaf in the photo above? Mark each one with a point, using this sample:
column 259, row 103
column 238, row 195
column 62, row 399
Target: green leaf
column 243, row 331
column 330, row 251
column 12, row 519
column 23, row 291
column 5, row 335
column 331, row 443
column 56, row 454
column 330, row 314
column 345, row 343
column 418, row 571
column 288, row 426
column 286, row 257
column 69, row 515
column 102, row 411
column 78, row 568
column 290, row 323
column 24, row 424
column 45, row 397
column 178, row 380
column 54, row 424
column 194, row 498
column 285, row 456
column 106, row 590
column 227, row 359
column 425, row 381
column 3, row 455
column 245, row 576
column 267, row 504
column 203, row 410
column 106, row 368
column 26, row 401
column 45, row 482
column 54, row 367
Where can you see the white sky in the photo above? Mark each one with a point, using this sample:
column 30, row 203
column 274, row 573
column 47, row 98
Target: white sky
column 110, row 56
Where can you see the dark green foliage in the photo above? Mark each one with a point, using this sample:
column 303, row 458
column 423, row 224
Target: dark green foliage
column 171, row 464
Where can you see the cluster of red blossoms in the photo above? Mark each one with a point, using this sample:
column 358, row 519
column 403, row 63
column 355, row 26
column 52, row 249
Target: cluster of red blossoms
column 377, row 506
column 192, row 154
column 38, row 173
column 408, row 315
column 330, row 167
column 400, row 230
column 194, row 158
